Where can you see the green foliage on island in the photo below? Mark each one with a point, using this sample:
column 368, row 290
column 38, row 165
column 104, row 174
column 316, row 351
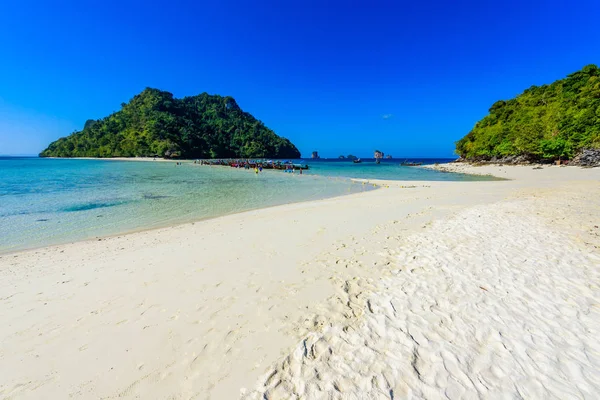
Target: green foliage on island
column 545, row 122
column 154, row 123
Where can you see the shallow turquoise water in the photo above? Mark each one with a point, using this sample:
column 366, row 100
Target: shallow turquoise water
column 387, row 169
column 48, row 201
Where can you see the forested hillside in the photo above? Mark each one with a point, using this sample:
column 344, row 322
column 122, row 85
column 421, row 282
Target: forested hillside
column 154, row 123
column 543, row 123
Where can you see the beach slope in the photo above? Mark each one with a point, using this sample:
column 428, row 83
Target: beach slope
column 418, row 289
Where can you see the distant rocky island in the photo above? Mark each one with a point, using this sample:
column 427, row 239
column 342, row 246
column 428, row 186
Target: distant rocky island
column 545, row 123
column 155, row 124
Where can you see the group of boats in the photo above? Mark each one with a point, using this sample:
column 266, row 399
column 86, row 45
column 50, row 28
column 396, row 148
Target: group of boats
column 278, row 164
column 264, row 164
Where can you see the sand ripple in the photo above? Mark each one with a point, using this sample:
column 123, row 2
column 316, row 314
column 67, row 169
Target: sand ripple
column 493, row 303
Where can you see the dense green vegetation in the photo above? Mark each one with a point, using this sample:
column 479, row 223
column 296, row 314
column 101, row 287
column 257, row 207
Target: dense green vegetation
column 154, row 123
column 545, row 122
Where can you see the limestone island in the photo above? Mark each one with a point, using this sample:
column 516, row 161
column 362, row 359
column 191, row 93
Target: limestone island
column 155, row 124
column 549, row 123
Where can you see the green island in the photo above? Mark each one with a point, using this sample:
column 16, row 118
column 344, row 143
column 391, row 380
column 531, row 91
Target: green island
column 155, row 124
column 544, row 123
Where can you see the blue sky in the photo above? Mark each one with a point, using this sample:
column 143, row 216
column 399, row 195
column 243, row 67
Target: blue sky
column 340, row 77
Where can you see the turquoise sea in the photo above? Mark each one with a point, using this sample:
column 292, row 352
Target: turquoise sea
column 52, row 201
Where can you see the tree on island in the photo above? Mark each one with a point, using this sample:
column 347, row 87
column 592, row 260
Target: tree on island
column 155, row 123
column 547, row 122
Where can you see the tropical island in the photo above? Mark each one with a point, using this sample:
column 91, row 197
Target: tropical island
column 155, row 124
column 545, row 123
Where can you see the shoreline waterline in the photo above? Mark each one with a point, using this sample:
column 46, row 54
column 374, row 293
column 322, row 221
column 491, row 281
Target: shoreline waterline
column 181, row 224
column 49, row 202
column 372, row 184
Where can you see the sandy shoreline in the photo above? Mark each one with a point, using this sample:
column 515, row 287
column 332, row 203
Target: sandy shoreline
column 157, row 159
column 371, row 182
column 250, row 303
column 503, row 170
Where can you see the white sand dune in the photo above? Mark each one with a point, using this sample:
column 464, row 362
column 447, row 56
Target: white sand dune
column 446, row 289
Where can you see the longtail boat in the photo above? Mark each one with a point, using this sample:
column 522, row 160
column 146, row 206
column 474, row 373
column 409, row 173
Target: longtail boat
column 411, row 164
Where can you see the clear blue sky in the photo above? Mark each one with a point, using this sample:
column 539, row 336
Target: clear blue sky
column 340, row 77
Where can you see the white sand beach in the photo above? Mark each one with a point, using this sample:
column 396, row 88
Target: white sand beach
column 416, row 290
